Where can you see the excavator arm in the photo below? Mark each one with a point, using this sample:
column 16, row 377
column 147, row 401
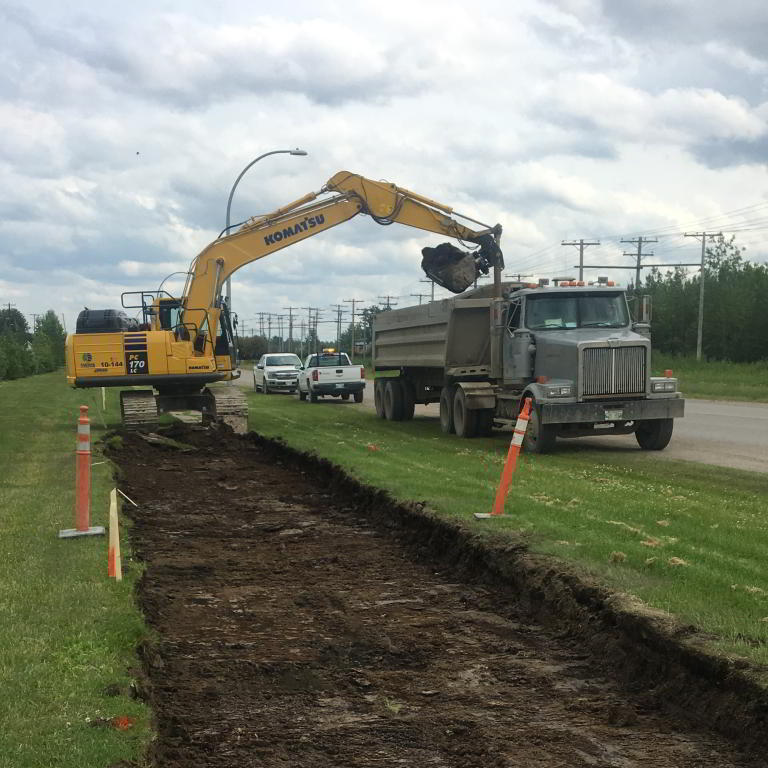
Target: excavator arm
column 351, row 194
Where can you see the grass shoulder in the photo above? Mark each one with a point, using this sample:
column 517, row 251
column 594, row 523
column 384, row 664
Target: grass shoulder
column 69, row 634
column 685, row 538
column 716, row 380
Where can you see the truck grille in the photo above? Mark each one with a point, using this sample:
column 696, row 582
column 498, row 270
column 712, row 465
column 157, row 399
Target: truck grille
column 613, row 371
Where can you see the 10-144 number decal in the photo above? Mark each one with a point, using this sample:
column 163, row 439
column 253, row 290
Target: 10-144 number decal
column 136, row 363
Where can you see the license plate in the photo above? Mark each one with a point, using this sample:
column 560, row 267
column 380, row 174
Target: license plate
column 614, row 414
column 339, row 386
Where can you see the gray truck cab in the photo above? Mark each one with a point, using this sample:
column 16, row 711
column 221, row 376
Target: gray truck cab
column 577, row 352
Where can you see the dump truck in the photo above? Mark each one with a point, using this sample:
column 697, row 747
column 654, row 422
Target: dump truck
column 572, row 348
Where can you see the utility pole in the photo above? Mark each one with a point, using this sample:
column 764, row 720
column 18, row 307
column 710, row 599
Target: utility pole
column 290, row 327
column 388, row 300
column 432, row 283
column 420, row 296
column 261, row 324
column 352, row 351
column 34, row 320
column 519, row 276
column 339, row 309
column 639, row 255
column 269, row 329
column 700, row 329
column 581, row 245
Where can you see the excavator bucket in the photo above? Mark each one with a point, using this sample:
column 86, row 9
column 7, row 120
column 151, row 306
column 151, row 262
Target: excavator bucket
column 450, row 267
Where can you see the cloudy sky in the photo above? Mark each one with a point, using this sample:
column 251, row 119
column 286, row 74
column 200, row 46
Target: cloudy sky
column 125, row 125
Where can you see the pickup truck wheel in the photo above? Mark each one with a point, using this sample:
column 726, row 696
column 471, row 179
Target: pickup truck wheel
column 465, row 420
column 539, row 438
column 345, row 396
column 378, row 397
column 655, row 434
column 302, row 395
column 359, row 396
column 264, row 388
column 446, row 409
column 312, row 396
column 393, row 400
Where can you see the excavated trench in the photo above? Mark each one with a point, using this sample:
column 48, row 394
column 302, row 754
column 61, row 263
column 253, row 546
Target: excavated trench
column 303, row 619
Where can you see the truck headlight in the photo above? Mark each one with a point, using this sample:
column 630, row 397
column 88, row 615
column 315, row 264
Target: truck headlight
column 565, row 391
column 665, row 385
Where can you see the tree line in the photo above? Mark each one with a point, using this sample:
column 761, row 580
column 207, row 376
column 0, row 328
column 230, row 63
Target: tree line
column 25, row 351
column 735, row 306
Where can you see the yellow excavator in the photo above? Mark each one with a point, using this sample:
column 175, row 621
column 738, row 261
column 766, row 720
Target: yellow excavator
column 180, row 345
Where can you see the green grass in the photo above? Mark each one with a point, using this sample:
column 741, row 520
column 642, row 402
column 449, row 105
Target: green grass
column 67, row 631
column 716, row 380
column 626, row 518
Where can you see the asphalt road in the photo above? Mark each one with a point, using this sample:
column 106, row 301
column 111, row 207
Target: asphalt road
column 719, row 432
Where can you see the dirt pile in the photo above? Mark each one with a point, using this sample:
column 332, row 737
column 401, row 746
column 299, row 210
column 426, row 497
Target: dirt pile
column 295, row 628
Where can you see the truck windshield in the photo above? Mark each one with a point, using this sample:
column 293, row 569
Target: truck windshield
column 328, row 361
column 283, row 360
column 576, row 310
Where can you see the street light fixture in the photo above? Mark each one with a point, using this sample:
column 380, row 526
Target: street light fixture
column 296, row 151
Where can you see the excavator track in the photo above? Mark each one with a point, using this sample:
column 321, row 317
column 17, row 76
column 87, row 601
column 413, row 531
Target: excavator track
column 228, row 406
column 138, row 409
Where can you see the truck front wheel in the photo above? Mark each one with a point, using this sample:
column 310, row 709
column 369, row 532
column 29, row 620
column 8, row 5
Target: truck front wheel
column 465, row 420
column 539, row 438
column 655, row 434
column 446, row 409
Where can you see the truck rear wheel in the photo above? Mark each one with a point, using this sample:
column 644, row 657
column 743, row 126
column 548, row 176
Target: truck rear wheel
column 359, row 396
column 465, row 420
column 539, row 438
column 302, row 395
column 378, row 397
column 654, row 434
column 446, row 409
column 393, row 400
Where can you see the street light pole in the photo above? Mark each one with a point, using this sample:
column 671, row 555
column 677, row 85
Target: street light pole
column 232, row 192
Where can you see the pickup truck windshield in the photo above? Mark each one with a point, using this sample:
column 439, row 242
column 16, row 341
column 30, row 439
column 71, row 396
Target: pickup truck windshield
column 282, row 360
column 328, row 361
column 576, row 310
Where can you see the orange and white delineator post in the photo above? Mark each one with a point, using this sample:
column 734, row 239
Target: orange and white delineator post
column 114, row 561
column 515, row 446
column 82, row 482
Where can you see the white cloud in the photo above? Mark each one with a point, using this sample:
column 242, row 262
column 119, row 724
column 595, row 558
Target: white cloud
column 124, row 133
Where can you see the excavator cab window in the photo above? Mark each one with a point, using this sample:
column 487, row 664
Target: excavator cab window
column 169, row 313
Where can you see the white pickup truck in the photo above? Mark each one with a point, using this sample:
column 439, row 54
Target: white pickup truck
column 330, row 374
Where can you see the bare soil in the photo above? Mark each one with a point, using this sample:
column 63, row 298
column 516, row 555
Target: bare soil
column 294, row 626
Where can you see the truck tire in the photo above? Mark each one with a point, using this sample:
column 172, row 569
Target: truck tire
column 378, row 397
column 409, row 400
column 393, row 400
column 465, row 420
column 446, row 409
column 539, row 438
column 345, row 396
column 654, row 434
column 312, row 396
column 359, row 396
column 485, row 422
column 302, row 395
